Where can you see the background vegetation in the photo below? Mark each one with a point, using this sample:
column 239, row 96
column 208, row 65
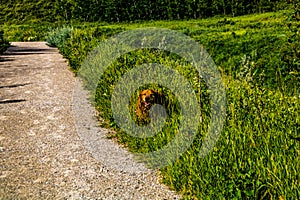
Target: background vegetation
column 257, row 156
column 16, row 11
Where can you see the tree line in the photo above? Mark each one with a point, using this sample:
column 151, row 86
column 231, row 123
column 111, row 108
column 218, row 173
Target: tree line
column 132, row 10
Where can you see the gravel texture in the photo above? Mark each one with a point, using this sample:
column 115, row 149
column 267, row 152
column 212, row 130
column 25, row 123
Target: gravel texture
column 43, row 154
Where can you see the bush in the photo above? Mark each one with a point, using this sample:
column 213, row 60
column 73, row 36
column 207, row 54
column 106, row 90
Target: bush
column 57, row 37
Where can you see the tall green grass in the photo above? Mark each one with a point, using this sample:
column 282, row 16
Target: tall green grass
column 255, row 158
column 26, row 32
column 258, row 55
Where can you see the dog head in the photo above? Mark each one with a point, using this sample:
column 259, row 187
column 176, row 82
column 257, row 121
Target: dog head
column 149, row 97
column 146, row 99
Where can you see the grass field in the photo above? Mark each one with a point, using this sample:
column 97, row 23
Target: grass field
column 259, row 59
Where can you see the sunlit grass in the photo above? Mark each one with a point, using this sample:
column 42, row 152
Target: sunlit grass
column 258, row 55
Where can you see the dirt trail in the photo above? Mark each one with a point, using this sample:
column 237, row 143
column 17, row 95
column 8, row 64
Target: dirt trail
column 41, row 154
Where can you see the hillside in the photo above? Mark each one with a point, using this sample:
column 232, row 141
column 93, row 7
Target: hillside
column 16, row 11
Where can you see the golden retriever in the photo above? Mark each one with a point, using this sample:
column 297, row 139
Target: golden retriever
column 146, row 99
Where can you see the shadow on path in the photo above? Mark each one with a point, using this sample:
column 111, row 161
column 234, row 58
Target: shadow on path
column 16, row 50
column 12, row 101
column 14, row 85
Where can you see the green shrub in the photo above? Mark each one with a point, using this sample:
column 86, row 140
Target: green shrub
column 57, row 37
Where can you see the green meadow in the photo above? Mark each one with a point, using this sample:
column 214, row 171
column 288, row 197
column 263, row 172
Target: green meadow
column 258, row 56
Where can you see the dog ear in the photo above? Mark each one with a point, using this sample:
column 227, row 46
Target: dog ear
column 140, row 94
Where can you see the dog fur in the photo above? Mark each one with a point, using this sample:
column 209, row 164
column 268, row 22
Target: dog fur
column 146, row 99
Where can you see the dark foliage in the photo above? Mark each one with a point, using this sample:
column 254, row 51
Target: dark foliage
column 131, row 10
column 4, row 44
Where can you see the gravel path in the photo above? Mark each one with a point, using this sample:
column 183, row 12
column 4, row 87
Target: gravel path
column 41, row 154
